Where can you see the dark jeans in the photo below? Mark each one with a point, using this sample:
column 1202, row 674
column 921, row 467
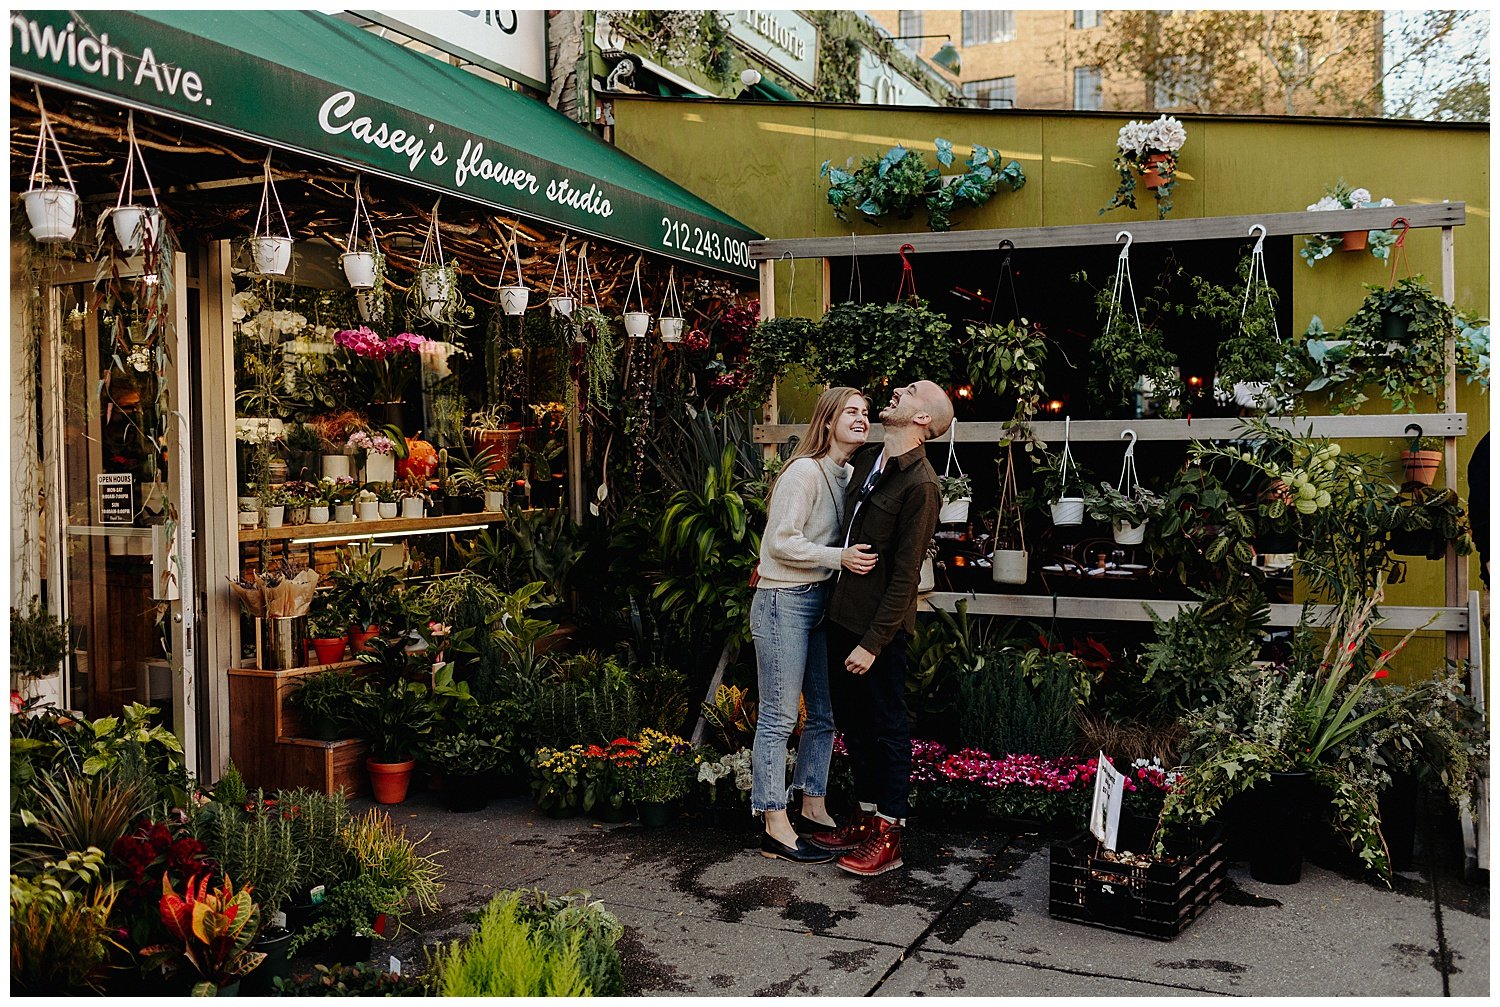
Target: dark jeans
column 870, row 710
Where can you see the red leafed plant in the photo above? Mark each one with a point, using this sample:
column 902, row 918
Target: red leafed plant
column 215, row 926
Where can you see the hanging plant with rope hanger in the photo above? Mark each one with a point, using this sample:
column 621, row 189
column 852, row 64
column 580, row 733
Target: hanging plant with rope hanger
column 436, row 296
column 1009, row 357
column 1128, row 358
column 776, row 346
column 1250, row 355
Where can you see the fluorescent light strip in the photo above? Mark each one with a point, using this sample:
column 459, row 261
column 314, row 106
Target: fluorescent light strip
column 388, row 534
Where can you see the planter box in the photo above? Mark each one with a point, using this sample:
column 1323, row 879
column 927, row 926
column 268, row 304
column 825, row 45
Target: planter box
column 1156, row 900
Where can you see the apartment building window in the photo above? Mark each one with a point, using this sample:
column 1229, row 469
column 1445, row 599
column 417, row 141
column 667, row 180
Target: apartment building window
column 997, row 92
column 909, row 23
column 984, row 26
column 1178, row 82
column 1085, row 19
column 1088, row 88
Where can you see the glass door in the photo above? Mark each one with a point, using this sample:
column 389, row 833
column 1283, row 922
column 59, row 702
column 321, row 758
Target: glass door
column 119, row 408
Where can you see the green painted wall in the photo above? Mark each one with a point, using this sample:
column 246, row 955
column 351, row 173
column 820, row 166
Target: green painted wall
column 759, row 163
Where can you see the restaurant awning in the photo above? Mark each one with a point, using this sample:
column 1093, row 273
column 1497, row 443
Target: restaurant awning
column 310, row 83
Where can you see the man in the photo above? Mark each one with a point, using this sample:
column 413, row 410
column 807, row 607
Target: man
column 892, row 506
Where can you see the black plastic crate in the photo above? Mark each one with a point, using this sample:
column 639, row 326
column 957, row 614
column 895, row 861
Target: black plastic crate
column 1156, row 900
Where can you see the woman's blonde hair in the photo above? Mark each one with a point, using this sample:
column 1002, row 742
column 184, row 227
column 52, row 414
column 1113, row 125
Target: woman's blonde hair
column 819, row 439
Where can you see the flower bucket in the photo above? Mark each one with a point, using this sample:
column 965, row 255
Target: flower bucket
column 1355, row 241
column 53, row 213
column 317, row 514
column 336, row 466
column 1067, row 511
column 379, row 468
column 343, row 513
column 562, row 305
column 389, row 780
column 494, row 500
column 132, row 224
column 1420, row 467
column 954, row 512
column 513, row 300
column 671, row 329
column 1129, row 534
column 388, row 509
column 368, row 510
column 272, row 255
column 1151, row 176
column 637, row 323
column 359, row 269
column 411, row 507
column 1008, row 566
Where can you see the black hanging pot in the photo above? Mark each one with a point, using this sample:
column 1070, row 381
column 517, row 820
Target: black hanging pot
column 1282, row 805
column 1416, row 542
column 273, row 941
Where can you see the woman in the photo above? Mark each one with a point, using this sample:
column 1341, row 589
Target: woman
column 798, row 555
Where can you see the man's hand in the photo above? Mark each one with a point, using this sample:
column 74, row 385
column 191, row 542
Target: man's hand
column 859, row 661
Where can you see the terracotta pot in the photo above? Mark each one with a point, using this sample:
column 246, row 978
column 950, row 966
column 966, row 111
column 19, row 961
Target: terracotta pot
column 1420, row 467
column 1151, row 176
column 360, row 637
column 389, row 780
column 499, row 443
column 330, row 650
column 1355, row 241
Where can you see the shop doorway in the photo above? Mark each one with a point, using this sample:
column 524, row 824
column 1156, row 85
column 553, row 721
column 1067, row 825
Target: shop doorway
column 117, row 422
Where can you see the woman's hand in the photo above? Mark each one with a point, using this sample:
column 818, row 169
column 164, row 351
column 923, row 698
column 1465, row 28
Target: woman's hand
column 858, row 559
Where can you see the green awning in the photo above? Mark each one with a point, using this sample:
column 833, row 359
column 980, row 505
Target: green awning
column 311, row 83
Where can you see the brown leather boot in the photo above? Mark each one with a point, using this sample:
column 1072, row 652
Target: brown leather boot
column 879, row 853
column 847, row 836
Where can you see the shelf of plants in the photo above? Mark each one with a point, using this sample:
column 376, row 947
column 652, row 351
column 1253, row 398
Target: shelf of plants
column 348, row 531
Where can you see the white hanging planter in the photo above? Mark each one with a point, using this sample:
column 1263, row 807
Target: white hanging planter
column 51, row 209
column 562, row 301
column 359, row 269
column 562, row 306
column 53, row 213
column 1009, row 566
column 135, row 226
column 637, row 323
column 436, row 284
column 271, row 255
column 1129, row 534
column 1067, row 511
column 670, row 328
column 513, row 299
column 955, row 511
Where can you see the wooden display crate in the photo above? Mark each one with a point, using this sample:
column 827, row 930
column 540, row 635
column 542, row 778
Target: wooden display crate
column 266, row 738
column 1156, row 900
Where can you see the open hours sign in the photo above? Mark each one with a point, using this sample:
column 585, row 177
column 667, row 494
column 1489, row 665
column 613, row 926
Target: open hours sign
column 116, row 498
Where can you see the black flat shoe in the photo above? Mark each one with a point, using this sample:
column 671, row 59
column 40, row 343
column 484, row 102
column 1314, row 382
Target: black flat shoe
column 802, row 853
column 805, row 826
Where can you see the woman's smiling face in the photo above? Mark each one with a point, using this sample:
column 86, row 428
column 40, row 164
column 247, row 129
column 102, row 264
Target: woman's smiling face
column 852, row 424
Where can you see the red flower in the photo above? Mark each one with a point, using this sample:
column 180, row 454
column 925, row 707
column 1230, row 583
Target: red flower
column 1382, row 673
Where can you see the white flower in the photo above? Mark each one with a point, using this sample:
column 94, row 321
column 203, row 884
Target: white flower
column 243, row 305
column 1132, row 139
column 140, row 358
column 1386, row 201
column 1166, row 135
column 1327, row 203
column 1359, row 197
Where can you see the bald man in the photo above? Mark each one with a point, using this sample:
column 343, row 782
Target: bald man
column 892, row 506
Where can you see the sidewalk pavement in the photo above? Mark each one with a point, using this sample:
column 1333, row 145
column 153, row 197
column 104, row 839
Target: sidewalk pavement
column 705, row 914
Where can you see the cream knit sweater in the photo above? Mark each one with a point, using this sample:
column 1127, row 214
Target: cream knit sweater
column 806, row 515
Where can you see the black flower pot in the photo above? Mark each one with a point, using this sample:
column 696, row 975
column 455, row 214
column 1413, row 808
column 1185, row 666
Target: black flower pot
column 1416, row 542
column 301, row 916
column 654, row 814
column 1282, row 805
column 1398, row 819
column 347, row 949
column 466, row 793
column 273, row 941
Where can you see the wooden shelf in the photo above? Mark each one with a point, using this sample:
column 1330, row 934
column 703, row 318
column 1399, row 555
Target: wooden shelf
column 1398, row 617
column 342, row 530
column 1210, row 429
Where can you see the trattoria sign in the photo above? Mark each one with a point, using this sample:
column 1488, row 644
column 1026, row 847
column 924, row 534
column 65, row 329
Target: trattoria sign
column 449, row 130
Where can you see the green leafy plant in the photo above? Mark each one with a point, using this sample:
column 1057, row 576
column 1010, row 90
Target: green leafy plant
column 865, row 345
column 328, row 698
column 900, row 182
column 60, row 934
column 363, row 588
column 1433, row 516
column 214, row 928
column 504, row 957
column 38, row 641
column 556, row 919
column 1107, row 504
column 462, row 754
column 1341, row 196
column 358, row 980
column 1009, row 358
column 1020, row 702
column 776, row 346
column 317, row 821
column 1398, row 335
column 395, row 719
column 1250, row 351
column 1127, row 355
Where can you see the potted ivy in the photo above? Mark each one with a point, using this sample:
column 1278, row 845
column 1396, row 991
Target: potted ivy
column 900, row 182
column 1127, row 512
column 1398, row 337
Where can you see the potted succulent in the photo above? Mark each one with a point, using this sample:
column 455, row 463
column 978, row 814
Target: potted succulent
column 1150, row 149
column 275, row 500
column 412, row 495
column 466, row 762
column 328, row 628
column 299, row 498
column 1126, row 512
column 249, row 513
column 390, row 505
column 496, row 488
column 1342, row 197
column 395, row 718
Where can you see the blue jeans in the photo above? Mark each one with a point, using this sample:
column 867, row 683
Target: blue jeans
column 791, row 661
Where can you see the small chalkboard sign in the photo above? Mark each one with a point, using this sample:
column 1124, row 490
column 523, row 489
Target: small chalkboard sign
column 116, row 498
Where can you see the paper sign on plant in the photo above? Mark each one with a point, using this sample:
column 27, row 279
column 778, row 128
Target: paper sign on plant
column 1109, row 791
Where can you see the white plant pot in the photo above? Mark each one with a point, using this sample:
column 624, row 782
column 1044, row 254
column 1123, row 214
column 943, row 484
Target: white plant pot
column 252, row 502
column 1067, row 511
column 494, row 500
column 411, row 507
column 436, row 284
column 513, row 300
column 272, row 254
column 671, row 329
column 359, row 269
column 275, row 516
column 53, row 214
column 1008, row 566
column 336, row 466
column 343, row 512
column 379, row 468
column 248, row 519
column 368, row 510
column 1129, row 534
column 132, row 224
column 317, row 514
column 562, row 305
column 954, row 512
column 637, row 323
column 927, row 578
column 389, row 509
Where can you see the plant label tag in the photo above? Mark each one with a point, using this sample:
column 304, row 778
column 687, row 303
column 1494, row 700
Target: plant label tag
column 1109, row 791
column 395, row 966
column 315, row 896
column 279, row 920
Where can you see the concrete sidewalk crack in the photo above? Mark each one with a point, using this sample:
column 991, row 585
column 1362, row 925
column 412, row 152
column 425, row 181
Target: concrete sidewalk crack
column 951, row 953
